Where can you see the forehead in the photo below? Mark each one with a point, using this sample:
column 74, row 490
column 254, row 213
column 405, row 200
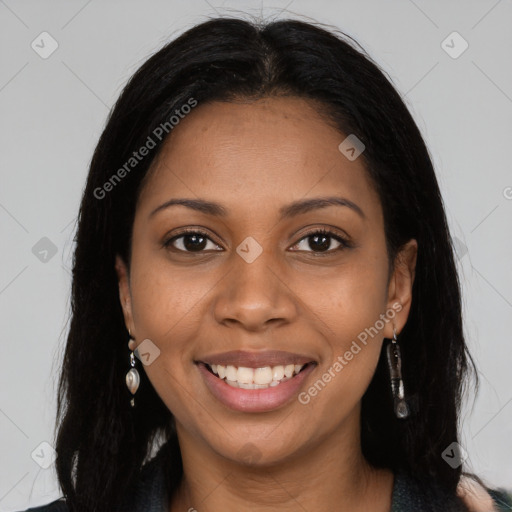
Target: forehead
column 273, row 150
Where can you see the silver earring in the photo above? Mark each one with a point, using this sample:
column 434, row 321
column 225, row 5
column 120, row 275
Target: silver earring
column 132, row 377
column 397, row 384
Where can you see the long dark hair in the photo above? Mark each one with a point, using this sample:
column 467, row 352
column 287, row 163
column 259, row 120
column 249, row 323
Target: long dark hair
column 102, row 443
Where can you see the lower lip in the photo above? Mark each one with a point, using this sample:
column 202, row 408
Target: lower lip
column 254, row 400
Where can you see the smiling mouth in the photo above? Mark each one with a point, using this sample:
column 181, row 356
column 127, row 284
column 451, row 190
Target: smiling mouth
column 255, row 378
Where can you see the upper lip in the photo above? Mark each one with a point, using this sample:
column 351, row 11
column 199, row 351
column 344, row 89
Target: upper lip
column 256, row 359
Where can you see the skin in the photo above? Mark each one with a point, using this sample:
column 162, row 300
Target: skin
column 475, row 496
column 254, row 158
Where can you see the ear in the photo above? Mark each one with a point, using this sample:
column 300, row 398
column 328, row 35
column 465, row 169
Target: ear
column 400, row 286
column 124, row 293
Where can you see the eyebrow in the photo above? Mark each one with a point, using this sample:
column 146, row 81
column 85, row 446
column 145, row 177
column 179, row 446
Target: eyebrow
column 285, row 212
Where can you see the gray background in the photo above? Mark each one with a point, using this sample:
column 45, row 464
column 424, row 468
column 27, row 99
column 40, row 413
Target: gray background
column 53, row 111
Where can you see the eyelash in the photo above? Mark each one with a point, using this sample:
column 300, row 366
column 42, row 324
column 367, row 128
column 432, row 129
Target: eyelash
column 344, row 243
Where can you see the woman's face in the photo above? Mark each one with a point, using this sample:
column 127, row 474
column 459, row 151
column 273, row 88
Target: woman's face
column 261, row 278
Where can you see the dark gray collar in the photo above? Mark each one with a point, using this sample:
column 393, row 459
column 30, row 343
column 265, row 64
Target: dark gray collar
column 426, row 496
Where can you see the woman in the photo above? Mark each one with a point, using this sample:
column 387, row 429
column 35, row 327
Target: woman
column 264, row 281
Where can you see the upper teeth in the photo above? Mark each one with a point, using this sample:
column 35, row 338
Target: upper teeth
column 255, row 378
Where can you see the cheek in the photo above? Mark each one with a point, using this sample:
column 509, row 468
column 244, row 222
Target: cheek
column 353, row 332
column 162, row 298
column 351, row 304
column 165, row 307
column 350, row 299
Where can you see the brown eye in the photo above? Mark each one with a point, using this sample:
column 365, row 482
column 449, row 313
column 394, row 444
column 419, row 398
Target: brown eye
column 320, row 241
column 191, row 241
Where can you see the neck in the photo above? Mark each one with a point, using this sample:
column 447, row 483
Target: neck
column 331, row 475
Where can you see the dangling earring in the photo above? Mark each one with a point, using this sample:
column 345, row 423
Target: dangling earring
column 132, row 377
column 397, row 384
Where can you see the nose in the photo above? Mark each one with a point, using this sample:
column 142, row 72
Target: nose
column 255, row 295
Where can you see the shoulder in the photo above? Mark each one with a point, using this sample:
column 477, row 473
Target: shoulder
column 55, row 506
column 480, row 498
column 426, row 494
column 502, row 499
